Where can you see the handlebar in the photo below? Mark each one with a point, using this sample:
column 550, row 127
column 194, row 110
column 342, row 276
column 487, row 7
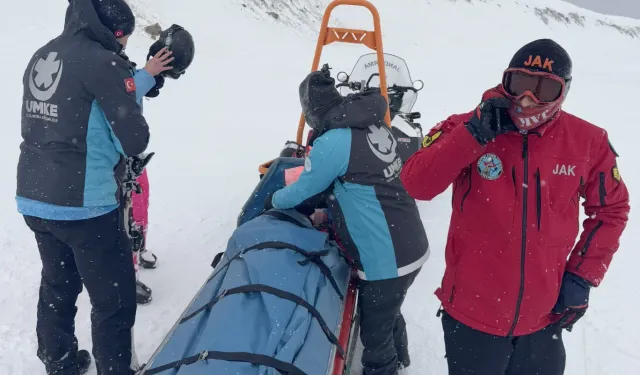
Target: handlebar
column 357, row 86
column 397, row 88
column 413, row 115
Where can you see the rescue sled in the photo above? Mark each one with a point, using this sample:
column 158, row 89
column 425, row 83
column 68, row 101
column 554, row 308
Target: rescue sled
column 280, row 300
column 282, row 297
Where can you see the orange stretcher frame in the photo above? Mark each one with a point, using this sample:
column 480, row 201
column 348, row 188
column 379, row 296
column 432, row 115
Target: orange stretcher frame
column 328, row 35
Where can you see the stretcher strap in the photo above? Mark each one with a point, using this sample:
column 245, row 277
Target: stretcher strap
column 253, row 288
column 284, row 217
column 313, row 257
column 257, row 359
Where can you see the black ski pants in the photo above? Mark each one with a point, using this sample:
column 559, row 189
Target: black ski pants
column 382, row 327
column 470, row 351
column 97, row 253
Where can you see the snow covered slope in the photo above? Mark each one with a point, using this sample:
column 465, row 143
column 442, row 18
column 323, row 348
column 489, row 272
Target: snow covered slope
column 238, row 104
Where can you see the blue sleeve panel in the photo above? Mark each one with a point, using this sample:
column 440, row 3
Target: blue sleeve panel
column 368, row 227
column 144, row 82
column 115, row 100
column 328, row 160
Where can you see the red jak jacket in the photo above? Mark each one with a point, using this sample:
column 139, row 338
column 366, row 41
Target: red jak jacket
column 515, row 216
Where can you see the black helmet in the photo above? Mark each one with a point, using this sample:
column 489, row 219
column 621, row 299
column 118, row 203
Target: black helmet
column 179, row 41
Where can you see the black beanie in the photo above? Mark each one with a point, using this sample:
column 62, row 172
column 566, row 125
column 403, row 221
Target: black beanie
column 544, row 55
column 117, row 16
column 318, row 95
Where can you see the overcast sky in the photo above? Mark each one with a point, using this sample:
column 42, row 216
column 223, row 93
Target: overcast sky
column 627, row 8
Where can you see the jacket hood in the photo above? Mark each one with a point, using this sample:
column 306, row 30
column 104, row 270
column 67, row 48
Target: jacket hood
column 82, row 18
column 356, row 111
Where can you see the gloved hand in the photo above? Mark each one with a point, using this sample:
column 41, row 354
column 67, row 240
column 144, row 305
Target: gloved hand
column 139, row 162
column 155, row 90
column 573, row 300
column 490, row 119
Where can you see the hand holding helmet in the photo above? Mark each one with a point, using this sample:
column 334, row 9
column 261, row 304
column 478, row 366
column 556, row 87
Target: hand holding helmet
column 179, row 42
column 175, row 46
column 158, row 63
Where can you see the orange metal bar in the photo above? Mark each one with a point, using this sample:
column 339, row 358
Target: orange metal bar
column 351, row 36
column 264, row 167
column 328, row 35
column 339, row 362
column 371, row 39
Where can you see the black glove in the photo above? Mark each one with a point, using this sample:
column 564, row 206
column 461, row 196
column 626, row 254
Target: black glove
column 267, row 201
column 155, row 90
column 490, row 119
column 292, row 149
column 573, row 300
column 138, row 163
column 307, row 207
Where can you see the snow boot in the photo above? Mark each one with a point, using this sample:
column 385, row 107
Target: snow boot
column 83, row 361
column 143, row 293
column 148, row 259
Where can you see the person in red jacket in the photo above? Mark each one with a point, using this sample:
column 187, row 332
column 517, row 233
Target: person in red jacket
column 519, row 165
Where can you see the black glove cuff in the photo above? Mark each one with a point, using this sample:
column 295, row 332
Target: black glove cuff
column 477, row 134
column 155, row 90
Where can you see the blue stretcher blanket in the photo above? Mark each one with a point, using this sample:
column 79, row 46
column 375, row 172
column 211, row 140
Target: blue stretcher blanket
column 273, row 305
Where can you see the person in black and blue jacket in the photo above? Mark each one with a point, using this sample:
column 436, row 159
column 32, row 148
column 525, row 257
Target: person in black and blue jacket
column 354, row 161
column 81, row 118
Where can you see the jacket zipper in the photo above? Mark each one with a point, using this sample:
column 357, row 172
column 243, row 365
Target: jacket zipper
column 525, row 188
column 538, row 197
column 468, row 189
column 587, row 243
column 603, row 190
column 469, row 171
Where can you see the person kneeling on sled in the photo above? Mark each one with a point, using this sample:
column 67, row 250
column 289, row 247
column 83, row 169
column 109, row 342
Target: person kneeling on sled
column 354, row 158
column 519, row 165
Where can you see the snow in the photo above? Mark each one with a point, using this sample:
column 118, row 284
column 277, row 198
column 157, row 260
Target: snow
column 237, row 106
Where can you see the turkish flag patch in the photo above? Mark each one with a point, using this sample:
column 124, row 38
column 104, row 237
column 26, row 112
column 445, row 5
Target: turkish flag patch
column 130, row 84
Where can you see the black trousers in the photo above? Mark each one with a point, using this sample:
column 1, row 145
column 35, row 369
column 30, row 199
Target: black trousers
column 382, row 327
column 97, row 253
column 473, row 352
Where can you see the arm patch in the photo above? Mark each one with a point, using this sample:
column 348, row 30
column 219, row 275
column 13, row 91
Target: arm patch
column 429, row 139
column 616, row 173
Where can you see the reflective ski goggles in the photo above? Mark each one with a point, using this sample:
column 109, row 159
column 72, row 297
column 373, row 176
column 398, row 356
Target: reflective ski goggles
column 544, row 88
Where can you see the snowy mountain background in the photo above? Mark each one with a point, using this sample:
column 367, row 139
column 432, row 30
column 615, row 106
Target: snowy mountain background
column 238, row 104
column 624, row 8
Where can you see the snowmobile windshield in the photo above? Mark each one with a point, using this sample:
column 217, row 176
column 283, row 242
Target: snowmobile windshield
column 396, row 69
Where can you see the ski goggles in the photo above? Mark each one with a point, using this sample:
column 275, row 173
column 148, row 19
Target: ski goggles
column 544, row 88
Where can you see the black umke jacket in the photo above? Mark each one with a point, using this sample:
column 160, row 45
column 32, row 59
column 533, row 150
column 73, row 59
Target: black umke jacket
column 354, row 161
column 79, row 115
